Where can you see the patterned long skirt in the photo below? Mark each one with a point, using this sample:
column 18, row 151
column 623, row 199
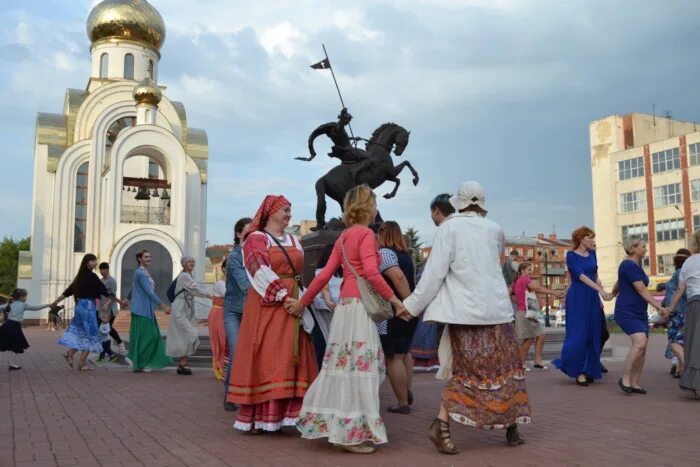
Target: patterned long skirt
column 83, row 334
column 487, row 388
column 342, row 404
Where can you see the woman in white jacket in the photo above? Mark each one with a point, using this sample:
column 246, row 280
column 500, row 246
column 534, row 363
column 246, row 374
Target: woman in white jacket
column 182, row 338
column 463, row 286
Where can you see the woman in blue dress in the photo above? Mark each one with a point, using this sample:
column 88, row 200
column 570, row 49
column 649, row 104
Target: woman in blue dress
column 580, row 354
column 676, row 325
column 82, row 334
column 631, row 312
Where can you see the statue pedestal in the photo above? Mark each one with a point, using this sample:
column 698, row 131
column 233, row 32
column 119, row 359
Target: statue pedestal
column 314, row 243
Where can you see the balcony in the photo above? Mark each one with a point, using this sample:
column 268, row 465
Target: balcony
column 145, row 215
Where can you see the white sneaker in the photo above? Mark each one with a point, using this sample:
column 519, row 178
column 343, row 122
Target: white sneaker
column 122, row 348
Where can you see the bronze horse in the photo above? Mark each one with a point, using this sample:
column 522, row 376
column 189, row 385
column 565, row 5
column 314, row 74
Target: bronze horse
column 377, row 170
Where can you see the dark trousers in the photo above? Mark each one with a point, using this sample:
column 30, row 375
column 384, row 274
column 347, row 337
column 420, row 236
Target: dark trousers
column 604, row 334
column 112, row 332
column 106, row 349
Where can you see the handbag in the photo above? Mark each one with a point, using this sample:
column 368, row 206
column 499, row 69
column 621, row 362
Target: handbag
column 377, row 308
column 533, row 305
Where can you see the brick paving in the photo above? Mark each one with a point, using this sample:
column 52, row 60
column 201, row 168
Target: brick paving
column 51, row 415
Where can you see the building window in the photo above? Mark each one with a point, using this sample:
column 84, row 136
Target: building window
column 635, row 231
column 631, row 168
column 696, row 222
column 664, row 161
column 670, row 229
column 694, row 153
column 81, row 185
column 153, row 169
column 695, row 190
column 646, row 264
column 633, row 201
column 150, row 69
column 667, row 195
column 664, row 265
column 129, row 66
column 104, row 65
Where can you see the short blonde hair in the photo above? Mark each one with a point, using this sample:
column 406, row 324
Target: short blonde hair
column 631, row 243
column 358, row 205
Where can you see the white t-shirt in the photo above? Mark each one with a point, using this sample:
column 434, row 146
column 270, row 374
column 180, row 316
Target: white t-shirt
column 690, row 274
column 220, row 288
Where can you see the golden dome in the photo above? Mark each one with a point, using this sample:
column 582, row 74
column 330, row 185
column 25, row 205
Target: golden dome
column 147, row 92
column 135, row 20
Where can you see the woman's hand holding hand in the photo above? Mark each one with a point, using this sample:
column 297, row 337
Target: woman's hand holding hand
column 293, row 306
column 330, row 305
column 607, row 296
column 167, row 310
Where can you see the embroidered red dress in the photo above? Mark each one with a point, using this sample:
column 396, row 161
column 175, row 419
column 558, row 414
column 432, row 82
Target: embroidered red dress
column 265, row 381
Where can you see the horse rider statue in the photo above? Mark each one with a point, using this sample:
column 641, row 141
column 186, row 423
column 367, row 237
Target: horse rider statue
column 342, row 144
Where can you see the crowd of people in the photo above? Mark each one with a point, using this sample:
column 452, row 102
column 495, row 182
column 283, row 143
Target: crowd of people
column 314, row 357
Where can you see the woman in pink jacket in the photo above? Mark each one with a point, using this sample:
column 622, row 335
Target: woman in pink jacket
column 343, row 403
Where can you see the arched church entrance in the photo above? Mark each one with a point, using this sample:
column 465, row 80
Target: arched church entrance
column 161, row 269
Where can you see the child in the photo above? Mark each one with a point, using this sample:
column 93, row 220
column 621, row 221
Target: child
column 104, row 329
column 53, row 317
column 11, row 336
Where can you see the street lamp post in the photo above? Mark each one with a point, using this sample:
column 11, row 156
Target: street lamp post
column 543, row 252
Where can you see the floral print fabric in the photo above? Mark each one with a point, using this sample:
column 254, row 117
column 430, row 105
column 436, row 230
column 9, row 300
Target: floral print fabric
column 343, row 402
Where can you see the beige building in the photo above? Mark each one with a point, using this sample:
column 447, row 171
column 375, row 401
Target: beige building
column 646, row 182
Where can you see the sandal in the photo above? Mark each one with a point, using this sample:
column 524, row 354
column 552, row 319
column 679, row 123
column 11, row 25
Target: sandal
column 410, row 397
column 84, row 367
column 439, row 434
column 184, row 370
column 402, row 409
column 539, row 366
column 513, row 436
column 69, row 359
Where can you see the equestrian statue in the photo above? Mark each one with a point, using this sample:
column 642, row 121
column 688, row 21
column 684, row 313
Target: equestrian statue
column 372, row 166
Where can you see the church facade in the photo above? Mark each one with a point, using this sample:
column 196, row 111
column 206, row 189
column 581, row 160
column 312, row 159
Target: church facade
column 119, row 169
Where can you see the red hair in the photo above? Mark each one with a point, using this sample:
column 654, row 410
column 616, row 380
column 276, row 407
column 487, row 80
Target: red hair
column 579, row 234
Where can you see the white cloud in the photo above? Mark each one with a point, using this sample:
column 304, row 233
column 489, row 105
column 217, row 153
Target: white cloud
column 350, row 22
column 22, row 34
column 282, row 38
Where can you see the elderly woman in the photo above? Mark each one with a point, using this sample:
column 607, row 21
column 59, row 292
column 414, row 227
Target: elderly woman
column 631, row 312
column 182, row 338
column 463, row 286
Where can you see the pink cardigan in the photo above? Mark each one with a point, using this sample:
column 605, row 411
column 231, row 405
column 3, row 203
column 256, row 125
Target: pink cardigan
column 361, row 248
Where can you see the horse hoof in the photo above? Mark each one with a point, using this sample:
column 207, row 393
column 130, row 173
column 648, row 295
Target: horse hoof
column 388, row 196
column 415, row 181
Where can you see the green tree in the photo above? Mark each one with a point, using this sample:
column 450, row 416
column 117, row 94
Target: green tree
column 9, row 255
column 414, row 243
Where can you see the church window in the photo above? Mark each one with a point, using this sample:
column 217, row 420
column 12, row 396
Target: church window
column 129, row 66
column 104, row 65
column 150, row 69
column 81, row 186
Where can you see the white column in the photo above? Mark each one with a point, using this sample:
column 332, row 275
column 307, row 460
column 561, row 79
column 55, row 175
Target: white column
column 146, row 114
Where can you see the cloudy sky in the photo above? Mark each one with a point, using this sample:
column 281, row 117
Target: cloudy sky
column 499, row 91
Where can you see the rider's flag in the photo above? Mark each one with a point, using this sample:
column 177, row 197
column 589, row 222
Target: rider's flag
column 324, row 64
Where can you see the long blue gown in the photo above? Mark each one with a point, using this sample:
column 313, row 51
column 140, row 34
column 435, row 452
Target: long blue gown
column 581, row 351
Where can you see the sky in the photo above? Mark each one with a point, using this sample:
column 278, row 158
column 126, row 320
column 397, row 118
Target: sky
column 499, row 91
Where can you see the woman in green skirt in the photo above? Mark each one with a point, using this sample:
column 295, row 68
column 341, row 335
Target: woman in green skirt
column 146, row 346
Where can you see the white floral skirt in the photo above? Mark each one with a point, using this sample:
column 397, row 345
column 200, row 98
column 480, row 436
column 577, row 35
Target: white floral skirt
column 342, row 404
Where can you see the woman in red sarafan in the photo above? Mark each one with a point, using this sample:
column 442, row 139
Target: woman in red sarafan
column 274, row 362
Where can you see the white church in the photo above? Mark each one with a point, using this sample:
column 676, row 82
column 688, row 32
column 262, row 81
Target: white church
column 118, row 170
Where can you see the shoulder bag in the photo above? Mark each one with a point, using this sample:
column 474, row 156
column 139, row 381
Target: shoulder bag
column 377, row 308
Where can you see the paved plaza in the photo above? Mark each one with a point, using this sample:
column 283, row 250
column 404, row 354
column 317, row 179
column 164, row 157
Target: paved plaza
column 52, row 415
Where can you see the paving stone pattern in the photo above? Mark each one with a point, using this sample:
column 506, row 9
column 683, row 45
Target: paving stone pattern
column 51, row 415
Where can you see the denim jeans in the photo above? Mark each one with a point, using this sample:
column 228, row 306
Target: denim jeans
column 232, row 323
